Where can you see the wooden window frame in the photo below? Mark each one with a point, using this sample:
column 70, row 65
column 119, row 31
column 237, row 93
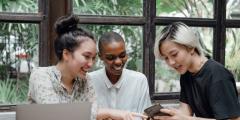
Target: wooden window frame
column 48, row 13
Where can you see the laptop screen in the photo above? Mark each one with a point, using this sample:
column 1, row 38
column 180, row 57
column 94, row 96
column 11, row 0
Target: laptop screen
column 76, row 111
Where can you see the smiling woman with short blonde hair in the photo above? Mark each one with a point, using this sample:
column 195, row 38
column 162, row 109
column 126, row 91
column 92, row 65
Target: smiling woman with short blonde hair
column 208, row 89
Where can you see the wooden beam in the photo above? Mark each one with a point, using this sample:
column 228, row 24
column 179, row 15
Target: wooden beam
column 21, row 17
column 112, row 20
column 57, row 9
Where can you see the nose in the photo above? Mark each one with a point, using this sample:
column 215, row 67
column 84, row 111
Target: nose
column 118, row 61
column 171, row 62
column 90, row 63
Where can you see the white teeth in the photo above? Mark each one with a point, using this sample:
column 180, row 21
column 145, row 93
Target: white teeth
column 84, row 70
column 177, row 66
column 117, row 68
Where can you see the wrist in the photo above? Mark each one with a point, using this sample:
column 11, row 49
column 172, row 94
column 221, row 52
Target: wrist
column 103, row 113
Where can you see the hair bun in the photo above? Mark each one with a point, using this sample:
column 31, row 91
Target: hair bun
column 65, row 24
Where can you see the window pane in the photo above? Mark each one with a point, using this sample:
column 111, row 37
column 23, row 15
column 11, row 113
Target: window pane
column 19, row 6
column 185, row 8
column 233, row 9
column 166, row 78
column 133, row 38
column 232, row 57
column 19, row 54
column 108, row 7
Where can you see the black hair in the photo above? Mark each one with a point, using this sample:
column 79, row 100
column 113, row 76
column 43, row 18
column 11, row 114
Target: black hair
column 68, row 33
column 109, row 37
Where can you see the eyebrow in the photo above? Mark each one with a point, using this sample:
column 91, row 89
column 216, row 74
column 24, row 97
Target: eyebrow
column 87, row 52
column 172, row 51
column 113, row 54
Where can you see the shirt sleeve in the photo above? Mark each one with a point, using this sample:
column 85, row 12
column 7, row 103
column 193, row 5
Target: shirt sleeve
column 145, row 100
column 223, row 99
column 40, row 88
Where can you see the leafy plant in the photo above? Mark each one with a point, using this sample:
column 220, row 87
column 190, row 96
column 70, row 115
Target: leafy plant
column 11, row 93
column 8, row 93
column 16, row 38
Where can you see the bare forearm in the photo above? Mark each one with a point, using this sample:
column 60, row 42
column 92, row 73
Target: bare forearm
column 103, row 114
column 198, row 118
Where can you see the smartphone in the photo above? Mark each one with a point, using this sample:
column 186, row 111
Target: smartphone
column 154, row 111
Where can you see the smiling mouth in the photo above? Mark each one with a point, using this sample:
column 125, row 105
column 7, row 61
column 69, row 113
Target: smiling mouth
column 119, row 68
column 178, row 67
column 84, row 71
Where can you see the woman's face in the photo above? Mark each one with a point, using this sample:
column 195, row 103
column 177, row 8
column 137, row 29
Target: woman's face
column 83, row 58
column 114, row 56
column 176, row 56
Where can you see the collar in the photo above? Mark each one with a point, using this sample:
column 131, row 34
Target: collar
column 116, row 85
column 57, row 83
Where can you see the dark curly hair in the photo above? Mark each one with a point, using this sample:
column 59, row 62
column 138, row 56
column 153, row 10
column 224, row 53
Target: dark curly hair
column 68, row 32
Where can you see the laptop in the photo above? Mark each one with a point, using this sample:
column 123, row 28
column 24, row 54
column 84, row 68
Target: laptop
column 76, row 111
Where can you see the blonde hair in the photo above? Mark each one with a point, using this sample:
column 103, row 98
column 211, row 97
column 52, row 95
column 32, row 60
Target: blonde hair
column 179, row 33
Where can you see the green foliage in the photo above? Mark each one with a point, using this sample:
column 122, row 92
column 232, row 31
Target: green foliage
column 15, row 39
column 185, row 8
column 8, row 93
column 164, row 72
column 13, row 91
column 19, row 6
column 164, row 5
column 108, row 7
column 232, row 56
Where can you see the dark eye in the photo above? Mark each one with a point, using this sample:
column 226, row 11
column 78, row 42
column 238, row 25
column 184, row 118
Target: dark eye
column 110, row 57
column 87, row 56
column 94, row 58
column 166, row 58
column 122, row 55
column 174, row 54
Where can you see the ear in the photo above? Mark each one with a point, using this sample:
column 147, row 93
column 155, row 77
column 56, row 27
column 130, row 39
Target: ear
column 66, row 55
column 126, row 56
column 192, row 51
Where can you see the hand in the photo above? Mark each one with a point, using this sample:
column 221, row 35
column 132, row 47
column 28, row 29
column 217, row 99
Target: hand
column 118, row 115
column 174, row 115
column 124, row 115
column 140, row 116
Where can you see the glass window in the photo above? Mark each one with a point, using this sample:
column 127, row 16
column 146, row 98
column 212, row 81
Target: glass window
column 233, row 51
column 133, row 38
column 166, row 78
column 108, row 7
column 19, row 55
column 19, row 6
column 185, row 8
column 233, row 9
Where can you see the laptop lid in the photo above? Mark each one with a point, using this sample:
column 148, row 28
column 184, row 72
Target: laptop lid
column 76, row 111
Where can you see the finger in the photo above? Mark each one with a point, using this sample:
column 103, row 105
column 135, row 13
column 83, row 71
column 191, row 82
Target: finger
column 139, row 115
column 168, row 111
column 161, row 117
column 130, row 116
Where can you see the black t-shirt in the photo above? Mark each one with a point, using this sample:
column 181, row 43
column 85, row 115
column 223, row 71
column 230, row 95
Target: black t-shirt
column 211, row 93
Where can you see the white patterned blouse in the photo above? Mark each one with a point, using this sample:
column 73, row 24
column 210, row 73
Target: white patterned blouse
column 45, row 87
